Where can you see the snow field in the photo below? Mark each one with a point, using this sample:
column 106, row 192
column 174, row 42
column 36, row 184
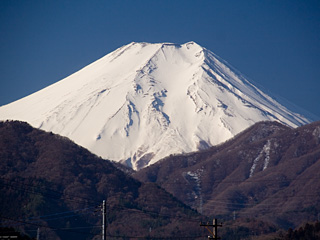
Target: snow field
column 144, row 101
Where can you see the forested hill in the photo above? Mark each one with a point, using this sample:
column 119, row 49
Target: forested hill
column 49, row 182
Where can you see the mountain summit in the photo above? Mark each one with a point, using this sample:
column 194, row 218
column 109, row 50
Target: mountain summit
column 145, row 101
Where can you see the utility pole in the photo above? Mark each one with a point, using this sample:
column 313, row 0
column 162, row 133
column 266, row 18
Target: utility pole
column 104, row 220
column 38, row 234
column 214, row 230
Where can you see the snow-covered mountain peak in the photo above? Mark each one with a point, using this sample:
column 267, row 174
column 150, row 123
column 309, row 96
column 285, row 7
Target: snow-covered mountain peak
column 144, row 101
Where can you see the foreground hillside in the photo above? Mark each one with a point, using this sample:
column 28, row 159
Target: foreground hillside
column 268, row 172
column 48, row 182
column 264, row 178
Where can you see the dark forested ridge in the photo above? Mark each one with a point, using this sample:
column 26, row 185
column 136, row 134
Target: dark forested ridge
column 268, row 172
column 264, row 179
column 48, row 182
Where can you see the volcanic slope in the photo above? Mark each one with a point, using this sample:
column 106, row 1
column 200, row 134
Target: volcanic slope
column 145, row 101
column 268, row 172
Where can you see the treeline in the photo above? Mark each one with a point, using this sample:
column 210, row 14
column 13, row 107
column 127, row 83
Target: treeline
column 10, row 233
column 308, row 232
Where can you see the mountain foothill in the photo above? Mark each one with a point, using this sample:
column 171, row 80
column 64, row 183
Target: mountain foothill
column 263, row 180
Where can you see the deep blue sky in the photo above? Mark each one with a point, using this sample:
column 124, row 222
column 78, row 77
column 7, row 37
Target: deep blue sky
column 276, row 44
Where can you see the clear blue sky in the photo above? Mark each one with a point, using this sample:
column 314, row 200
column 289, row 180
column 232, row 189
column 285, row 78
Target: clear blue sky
column 275, row 43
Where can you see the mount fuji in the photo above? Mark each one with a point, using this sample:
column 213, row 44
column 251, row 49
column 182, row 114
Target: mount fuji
column 146, row 101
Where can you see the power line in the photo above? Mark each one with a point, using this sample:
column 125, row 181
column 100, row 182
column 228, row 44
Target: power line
column 21, row 185
column 55, row 216
column 223, row 181
column 87, row 199
column 206, row 205
column 113, row 207
column 40, row 225
column 109, row 235
column 261, row 203
column 61, row 195
column 49, row 216
column 61, row 213
column 155, row 238
column 53, row 195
